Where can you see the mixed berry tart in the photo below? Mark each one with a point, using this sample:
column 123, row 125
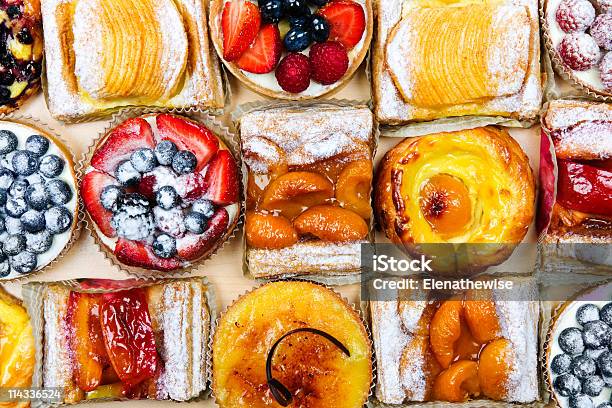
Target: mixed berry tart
column 161, row 191
column 38, row 199
column 292, row 49
column 580, row 39
column 21, row 52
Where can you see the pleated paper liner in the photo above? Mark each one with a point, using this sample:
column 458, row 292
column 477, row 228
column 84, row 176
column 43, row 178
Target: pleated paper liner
column 554, row 88
column 354, row 307
column 62, row 145
column 33, row 302
column 212, row 123
column 327, row 279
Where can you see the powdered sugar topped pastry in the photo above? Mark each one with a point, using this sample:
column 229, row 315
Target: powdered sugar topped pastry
column 482, row 60
column 93, row 65
column 308, row 191
column 162, row 191
column 292, row 49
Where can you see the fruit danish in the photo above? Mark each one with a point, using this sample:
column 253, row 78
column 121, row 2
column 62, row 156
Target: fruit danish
column 464, row 348
column 467, row 187
column 308, row 192
column 135, row 343
column 434, row 61
column 93, row 66
column 581, row 133
column 291, row 343
column 292, row 49
column 162, row 192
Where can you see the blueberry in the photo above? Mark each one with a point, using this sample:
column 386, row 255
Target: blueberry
column 167, row 197
column 5, row 94
column 13, row 226
column 37, row 145
column 39, row 242
column 606, row 314
column 593, row 385
column 16, row 207
column 580, row 401
column 299, row 21
column 3, row 197
column 570, row 341
column 165, row 151
column 109, row 197
column 143, row 160
column 195, row 222
column 593, row 353
column 24, row 262
column 33, row 221
column 318, row 3
column 7, row 78
column 58, row 219
column 59, row 191
column 13, row 11
column 24, row 36
column 319, row 29
column 164, row 246
column 297, row 39
column 583, row 367
column 295, row 7
column 37, row 196
column 2, row 224
column 5, row 268
column 184, row 162
column 8, row 141
column 604, row 362
column 560, row 364
column 596, row 334
column 24, row 163
column 18, row 188
column 587, row 313
column 203, row 207
column 127, row 174
column 567, row 385
column 6, row 178
column 605, row 405
column 271, row 10
column 51, row 166
column 14, row 244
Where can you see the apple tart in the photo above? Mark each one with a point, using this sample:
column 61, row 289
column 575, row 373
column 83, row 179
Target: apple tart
column 466, row 187
column 103, row 54
column 435, row 60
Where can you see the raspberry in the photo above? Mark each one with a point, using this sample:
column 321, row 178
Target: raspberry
column 328, row 61
column 601, row 31
column 579, row 51
column 575, row 15
column 605, row 71
column 293, row 73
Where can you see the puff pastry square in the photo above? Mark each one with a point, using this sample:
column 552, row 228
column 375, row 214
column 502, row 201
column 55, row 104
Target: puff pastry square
column 433, row 60
column 104, row 54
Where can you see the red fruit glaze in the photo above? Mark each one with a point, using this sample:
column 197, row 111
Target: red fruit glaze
column 134, row 253
column 584, row 188
column 193, row 246
column 328, row 62
column 264, row 54
column 293, row 73
column 146, row 186
column 131, row 135
column 347, row 21
column 92, row 185
column 188, row 135
column 240, row 23
column 222, row 179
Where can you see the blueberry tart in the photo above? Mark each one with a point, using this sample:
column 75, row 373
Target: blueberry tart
column 161, row 192
column 38, row 199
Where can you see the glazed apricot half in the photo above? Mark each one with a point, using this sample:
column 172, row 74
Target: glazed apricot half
column 458, row 382
column 445, row 203
column 329, row 223
column 269, row 231
column 445, row 330
column 353, row 187
column 493, row 369
column 481, row 317
column 293, row 192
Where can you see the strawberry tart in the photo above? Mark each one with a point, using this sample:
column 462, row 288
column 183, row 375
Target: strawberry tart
column 161, row 192
column 292, row 49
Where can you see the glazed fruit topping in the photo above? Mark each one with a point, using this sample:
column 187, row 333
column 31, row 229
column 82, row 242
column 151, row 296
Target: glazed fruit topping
column 269, row 231
column 332, row 224
column 240, row 22
column 222, row 179
column 601, row 31
column 579, row 51
column 445, row 203
column 328, row 62
column 575, row 15
column 584, row 188
column 347, row 22
column 264, row 54
column 293, row 73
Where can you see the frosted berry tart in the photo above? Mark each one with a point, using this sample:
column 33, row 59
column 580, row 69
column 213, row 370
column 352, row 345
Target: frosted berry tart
column 292, row 49
column 21, row 52
column 38, row 197
column 161, row 191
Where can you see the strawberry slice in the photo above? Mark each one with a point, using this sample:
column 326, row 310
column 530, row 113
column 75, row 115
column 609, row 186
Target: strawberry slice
column 193, row 246
column 346, row 20
column 222, row 179
column 240, row 23
column 92, row 185
column 136, row 254
column 188, row 135
column 264, row 54
column 192, row 186
column 131, row 135
column 585, row 188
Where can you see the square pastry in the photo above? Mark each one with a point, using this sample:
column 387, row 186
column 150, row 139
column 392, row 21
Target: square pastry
column 481, row 345
column 440, row 60
column 308, row 190
column 105, row 54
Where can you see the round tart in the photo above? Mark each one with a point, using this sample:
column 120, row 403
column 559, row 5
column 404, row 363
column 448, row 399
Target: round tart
column 38, row 197
column 578, row 350
column 161, row 191
column 292, row 49
column 579, row 38
column 312, row 343
column 21, row 52
column 467, row 187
